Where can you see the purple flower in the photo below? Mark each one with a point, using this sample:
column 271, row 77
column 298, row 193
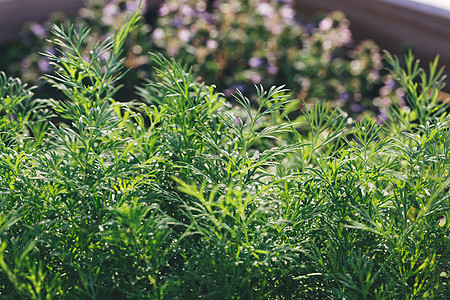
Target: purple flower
column 255, row 62
column 205, row 16
column 38, row 30
column 177, row 22
column 228, row 92
column 381, row 118
column 50, row 50
column 13, row 117
column 272, row 69
column 356, row 108
column 344, row 96
column 25, row 63
column 241, row 87
column 105, row 55
column 43, row 65
column 391, row 84
column 309, row 28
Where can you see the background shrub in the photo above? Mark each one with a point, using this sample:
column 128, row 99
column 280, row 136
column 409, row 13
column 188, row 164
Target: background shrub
column 233, row 45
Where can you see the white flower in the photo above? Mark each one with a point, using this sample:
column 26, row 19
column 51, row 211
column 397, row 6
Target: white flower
column 326, row 24
column 158, row 34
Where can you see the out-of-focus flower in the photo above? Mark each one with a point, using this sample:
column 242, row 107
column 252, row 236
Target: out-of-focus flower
column 381, row 118
column 326, row 24
column 50, row 50
column 44, row 65
column 105, row 55
column 276, row 28
column 255, row 78
column 255, row 62
column 241, row 88
column 272, row 69
column 163, row 10
column 25, row 63
column 158, row 34
column 133, row 5
column 309, row 28
column 374, row 75
column 187, row 11
column 356, row 67
column 265, row 9
column 38, row 30
column 184, row 35
column 345, row 35
column 203, row 15
column 177, row 22
column 111, row 10
column 345, row 96
column 356, row 107
column 211, row 44
column 228, row 92
column 391, row 83
column 287, row 13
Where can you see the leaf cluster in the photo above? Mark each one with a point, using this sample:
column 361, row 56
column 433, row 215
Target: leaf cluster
column 178, row 195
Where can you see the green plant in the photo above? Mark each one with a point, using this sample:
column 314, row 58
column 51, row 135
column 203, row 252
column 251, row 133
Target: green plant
column 22, row 57
column 254, row 42
column 178, row 195
column 235, row 44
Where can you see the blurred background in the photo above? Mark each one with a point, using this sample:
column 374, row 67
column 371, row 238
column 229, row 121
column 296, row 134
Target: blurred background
column 323, row 50
column 395, row 25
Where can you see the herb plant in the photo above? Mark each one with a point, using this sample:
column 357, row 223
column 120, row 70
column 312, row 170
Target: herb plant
column 178, row 195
